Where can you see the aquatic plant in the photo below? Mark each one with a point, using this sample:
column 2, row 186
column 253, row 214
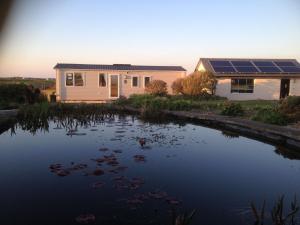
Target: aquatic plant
column 278, row 216
column 182, row 219
column 259, row 215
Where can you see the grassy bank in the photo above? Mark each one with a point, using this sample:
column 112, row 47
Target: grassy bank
column 272, row 112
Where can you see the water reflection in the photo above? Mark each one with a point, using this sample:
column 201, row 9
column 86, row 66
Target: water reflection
column 72, row 122
column 117, row 169
column 288, row 153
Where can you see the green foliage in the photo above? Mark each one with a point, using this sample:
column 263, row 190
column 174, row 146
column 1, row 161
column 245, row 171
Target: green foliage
column 20, row 94
column 41, row 83
column 232, row 109
column 270, row 115
column 157, row 87
column 290, row 106
column 290, row 103
column 179, row 103
column 4, row 105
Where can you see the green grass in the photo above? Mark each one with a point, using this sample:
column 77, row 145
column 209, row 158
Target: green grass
column 40, row 83
column 265, row 111
column 184, row 103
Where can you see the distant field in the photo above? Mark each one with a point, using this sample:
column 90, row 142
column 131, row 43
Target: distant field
column 41, row 83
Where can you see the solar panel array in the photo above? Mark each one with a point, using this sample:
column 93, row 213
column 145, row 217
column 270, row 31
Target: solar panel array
column 254, row 66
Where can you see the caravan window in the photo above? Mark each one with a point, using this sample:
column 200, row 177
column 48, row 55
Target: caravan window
column 69, row 79
column 102, row 80
column 146, row 81
column 78, row 78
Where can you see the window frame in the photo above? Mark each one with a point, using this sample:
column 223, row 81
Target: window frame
column 238, row 90
column 144, row 83
column 106, row 80
column 137, row 85
column 66, row 75
column 83, row 79
column 73, row 77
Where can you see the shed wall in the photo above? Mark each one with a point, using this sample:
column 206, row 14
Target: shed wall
column 267, row 89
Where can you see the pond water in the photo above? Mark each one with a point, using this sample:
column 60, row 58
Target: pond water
column 100, row 173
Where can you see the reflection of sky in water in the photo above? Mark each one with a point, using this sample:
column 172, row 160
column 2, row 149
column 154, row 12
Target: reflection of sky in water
column 199, row 166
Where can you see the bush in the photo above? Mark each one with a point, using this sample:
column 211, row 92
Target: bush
column 270, row 115
column 232, row 109
column 177, row 86
column 290, row 106
column 157, row 87
column 20, row 93
column 198, row 83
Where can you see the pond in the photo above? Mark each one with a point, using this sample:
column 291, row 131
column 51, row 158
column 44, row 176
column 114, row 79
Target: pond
column 123, row 170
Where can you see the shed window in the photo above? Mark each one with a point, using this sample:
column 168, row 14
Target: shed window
column 102, row 80
column 242, row 85
column 135, row 81
column 78, row 78
column 69, row 79
column 146, row 81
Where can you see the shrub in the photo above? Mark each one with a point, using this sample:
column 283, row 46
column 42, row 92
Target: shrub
column 198, row 83
column 157, row 87
column 180, row 105
column 232, row 109
column 270, row 115
column 20, row 93
column 290, row 106
column 177, row 86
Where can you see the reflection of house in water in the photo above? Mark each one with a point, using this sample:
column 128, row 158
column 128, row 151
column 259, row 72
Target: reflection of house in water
column 288, row 153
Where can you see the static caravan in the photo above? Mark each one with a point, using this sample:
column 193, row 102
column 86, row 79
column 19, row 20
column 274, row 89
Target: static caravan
column 95, row 83
column 250, row 79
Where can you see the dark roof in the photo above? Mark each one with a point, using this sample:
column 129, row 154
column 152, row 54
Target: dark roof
column 116, row 67
column 230, row 67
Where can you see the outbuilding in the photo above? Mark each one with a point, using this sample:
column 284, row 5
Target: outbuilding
column 95, row 83
column 250, row 79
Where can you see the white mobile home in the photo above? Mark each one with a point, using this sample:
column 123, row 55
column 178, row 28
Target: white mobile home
column 249, row 79
column 93, row 83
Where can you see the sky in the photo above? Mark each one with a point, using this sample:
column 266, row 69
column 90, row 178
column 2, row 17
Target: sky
column 38, row 34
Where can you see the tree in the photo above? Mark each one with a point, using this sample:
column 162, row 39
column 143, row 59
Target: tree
column 177, row 86
column 198, row 83
column 157, row 87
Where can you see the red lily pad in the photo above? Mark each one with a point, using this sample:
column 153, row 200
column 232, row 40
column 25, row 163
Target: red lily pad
column 139, row 158
column 98, row 172
column 86, row 218
column 98, row 185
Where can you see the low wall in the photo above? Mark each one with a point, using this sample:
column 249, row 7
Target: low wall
column 285, row 136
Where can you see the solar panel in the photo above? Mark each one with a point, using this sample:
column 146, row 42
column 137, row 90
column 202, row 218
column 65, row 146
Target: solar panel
column 290, row 69
column 284, row 63
column 263, row 63
column 241, row 63
column 269, row 69
column 247, row 69
column 227, row 69
column 220, row 63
